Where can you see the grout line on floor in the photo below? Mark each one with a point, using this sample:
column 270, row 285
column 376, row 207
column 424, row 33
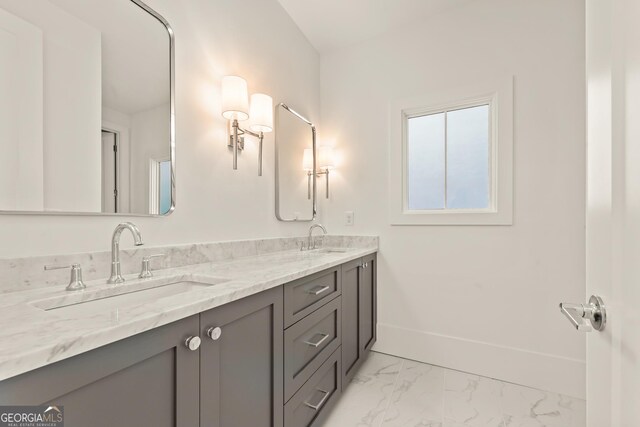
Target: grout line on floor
column 502, row 413
column 444, row 392
column 395, row 385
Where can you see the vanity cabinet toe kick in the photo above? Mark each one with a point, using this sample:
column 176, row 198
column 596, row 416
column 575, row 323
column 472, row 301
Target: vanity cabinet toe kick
column 279, row 358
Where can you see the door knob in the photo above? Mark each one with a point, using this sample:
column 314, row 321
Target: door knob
column 193, row 343
column 578, row 314
column 214, row 333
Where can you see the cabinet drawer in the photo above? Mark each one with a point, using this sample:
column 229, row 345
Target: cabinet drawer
column 308, row 343
column 307, row 294
column 312, row 403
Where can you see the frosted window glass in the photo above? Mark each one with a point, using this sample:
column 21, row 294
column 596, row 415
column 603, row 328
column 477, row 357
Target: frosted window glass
column 425, row 162
column 468, row 158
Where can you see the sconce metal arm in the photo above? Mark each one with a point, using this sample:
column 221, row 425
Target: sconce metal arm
column 237, row 143
column 318, row 174
column 234, row 143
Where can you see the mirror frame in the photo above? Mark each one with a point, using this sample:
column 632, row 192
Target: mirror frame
column 314, row 203
column 172, row 133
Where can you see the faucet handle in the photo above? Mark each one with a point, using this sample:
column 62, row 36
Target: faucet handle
column 75, row 281
column 150, row 257
column 59, row 267
column 146, row 269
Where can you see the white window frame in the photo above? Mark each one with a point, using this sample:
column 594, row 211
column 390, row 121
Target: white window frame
column 498, row 94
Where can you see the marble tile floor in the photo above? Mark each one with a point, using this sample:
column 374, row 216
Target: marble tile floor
column 389, row 391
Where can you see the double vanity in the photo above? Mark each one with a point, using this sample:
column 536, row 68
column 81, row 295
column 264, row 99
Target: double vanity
column 229, row 334
column 266, row 338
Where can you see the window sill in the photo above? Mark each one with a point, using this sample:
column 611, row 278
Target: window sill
column 453, row 217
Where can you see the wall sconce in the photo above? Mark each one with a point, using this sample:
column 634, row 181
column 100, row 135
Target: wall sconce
column 325, row 164
column 235, row 108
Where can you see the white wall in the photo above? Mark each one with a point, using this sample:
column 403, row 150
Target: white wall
column 71, row 57
column 149, row 140
column 72, row 63
column 482, row 299
column 253, row 38
column 21, row 123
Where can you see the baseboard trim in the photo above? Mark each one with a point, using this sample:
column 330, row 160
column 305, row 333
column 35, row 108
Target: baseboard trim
column 532, row 369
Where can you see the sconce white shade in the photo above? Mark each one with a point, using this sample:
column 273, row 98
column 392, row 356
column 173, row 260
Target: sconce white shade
column 261, row 113
column 307, row 160
column 325, row 158
column 235, row 104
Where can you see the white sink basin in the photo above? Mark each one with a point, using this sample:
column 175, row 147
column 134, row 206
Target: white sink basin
column 116, row 298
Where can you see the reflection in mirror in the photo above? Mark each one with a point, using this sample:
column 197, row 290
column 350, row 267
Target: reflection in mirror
column 295, row 141
column 86, row 115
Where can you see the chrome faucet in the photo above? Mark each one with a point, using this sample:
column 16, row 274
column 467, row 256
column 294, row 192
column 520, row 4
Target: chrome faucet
column 310, row 237
column 116, row 274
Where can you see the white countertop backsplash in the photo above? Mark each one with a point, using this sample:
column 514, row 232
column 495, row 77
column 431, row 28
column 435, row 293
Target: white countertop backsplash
column 31, row 337
column 19, row 274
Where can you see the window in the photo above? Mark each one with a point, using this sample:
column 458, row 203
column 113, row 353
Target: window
column 451, row 156
column 448, row 159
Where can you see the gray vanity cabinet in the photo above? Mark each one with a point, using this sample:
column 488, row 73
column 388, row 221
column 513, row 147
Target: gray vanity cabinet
column 359, row 314
column 241, row 363
column 273, row 359
column 150, row 379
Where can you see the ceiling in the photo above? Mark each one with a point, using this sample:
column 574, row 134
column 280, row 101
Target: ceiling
column 332, row 24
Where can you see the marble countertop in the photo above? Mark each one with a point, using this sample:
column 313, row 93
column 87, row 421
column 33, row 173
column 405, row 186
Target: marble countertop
column 32, row 337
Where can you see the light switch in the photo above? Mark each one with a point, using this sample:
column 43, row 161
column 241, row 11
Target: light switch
column 348, row 218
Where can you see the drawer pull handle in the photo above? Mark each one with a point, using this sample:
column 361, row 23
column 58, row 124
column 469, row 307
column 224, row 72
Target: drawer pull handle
column 319, row 342
column 317, row 290
column 319, row 404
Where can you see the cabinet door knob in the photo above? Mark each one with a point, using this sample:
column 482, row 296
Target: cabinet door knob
column 214, row 333
column 193, row 343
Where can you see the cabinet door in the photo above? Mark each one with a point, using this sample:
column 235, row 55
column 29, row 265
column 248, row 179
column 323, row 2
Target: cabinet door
column 359, row 313
column 150, row 379
column 241, row 381
column 368, row 302
column 351, row 349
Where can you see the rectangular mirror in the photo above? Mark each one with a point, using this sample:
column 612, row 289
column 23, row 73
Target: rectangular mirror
column 87, row 108
column 295, row 144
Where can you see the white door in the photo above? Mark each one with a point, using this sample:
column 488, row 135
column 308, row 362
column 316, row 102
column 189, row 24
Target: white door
column 613, row 210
